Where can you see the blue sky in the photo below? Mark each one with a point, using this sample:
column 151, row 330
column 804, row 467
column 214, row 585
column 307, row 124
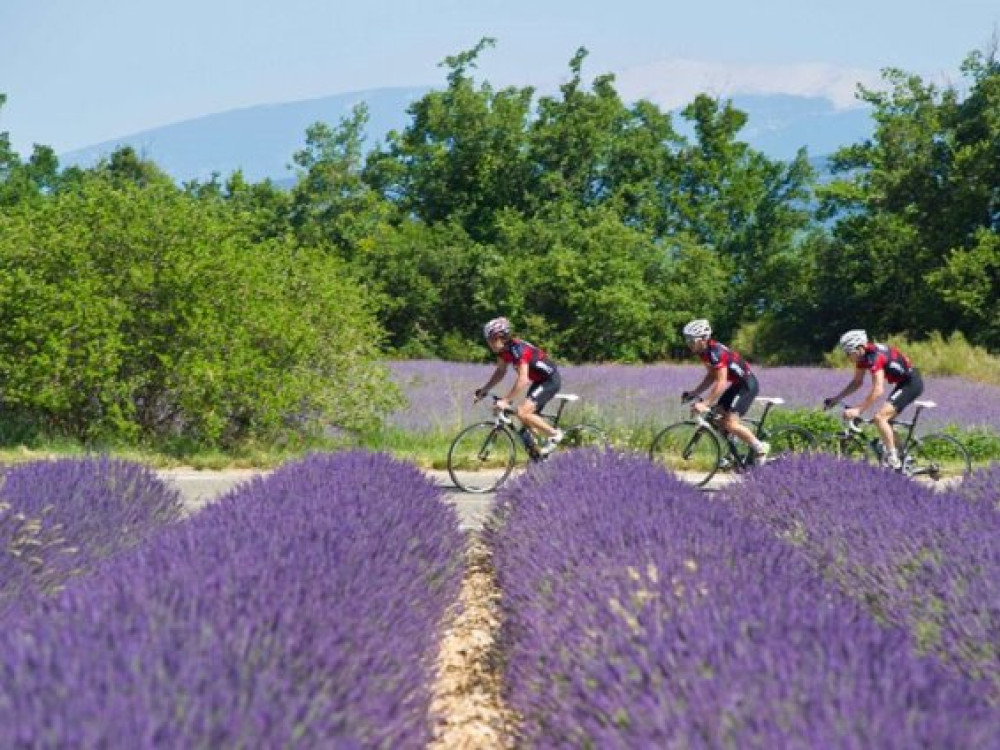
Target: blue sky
column 77, row 72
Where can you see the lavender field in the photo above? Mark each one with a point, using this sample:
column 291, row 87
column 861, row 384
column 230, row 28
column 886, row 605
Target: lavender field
column 924, row 560
column 301, row 610
column 60, row 519
column 815, row 604
column 640, row 613
column 624, row 398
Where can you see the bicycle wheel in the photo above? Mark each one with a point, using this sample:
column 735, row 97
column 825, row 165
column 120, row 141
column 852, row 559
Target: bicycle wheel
column 481, row 457
column 689, row 450
column 938, row 457
column 789, row 440
column 584, row 436
column 845, row 446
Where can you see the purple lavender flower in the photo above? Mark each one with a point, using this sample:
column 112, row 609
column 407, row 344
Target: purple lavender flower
column 982, row 486
column 640, row 613
column 924, row 560
column 301, row 610
column 61, row 518
column 632, row 396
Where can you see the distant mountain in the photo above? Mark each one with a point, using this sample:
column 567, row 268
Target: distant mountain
column 261, row 140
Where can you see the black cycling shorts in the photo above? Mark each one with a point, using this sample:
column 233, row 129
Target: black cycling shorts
column 541, row 393
column 740, row 395
column 907, row 391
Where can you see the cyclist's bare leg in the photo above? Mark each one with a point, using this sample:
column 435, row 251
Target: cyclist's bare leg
column 527, row 412
column 730, row 422
column 881, row 420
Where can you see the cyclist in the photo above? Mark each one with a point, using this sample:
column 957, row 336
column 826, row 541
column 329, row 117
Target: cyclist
column 886, row 364
column 537, row 379
column 732, row 386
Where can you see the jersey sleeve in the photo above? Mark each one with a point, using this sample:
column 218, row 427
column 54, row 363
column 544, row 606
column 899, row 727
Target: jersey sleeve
column 715, row 358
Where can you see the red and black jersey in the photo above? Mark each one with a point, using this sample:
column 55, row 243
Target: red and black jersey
column 540, row 367
column 716, row 356
column 884, row 357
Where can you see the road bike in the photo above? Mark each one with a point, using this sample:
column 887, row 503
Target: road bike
column 696, row 449
column 483, row 455
column 936, row 455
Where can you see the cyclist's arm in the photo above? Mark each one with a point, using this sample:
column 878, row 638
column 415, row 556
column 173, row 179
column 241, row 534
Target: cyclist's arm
column 521, row 384
column 859, row 376
column 496, row 377
column 705, row 382
column 878, row 388
column 719, row 383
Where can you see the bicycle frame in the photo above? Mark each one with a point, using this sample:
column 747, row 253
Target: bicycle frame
column 507, row 419
column 710, row 422
column 855, row 428
column 760, row 431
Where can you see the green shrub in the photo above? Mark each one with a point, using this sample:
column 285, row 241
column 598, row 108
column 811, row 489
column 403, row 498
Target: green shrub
column 953, row 356
column 144, row 314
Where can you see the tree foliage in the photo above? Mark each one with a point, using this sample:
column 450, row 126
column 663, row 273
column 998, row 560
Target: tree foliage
column 132, row 310
column 223, row 310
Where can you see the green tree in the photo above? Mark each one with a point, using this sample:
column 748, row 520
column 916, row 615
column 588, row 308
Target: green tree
column 146, row 313
column 463, row 155
column 331, row 203
column 918, row 207
column 746, row 207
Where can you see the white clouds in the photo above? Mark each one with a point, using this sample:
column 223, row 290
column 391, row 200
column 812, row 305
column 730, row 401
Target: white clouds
column 674, row 83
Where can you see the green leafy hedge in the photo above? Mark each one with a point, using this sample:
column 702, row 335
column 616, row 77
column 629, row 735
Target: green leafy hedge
column 145, row 314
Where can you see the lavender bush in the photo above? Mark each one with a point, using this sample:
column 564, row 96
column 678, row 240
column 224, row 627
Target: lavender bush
column 640, row 614
column 60, row 518
column 925, row 560
column 982, row 486
column 299, row 611
column 627, row 397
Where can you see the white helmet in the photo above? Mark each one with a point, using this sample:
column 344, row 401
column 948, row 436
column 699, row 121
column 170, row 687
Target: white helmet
column 496, row 326
column 698, row 329
column 852, row 340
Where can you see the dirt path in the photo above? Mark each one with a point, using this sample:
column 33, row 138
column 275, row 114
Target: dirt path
column 467, row 707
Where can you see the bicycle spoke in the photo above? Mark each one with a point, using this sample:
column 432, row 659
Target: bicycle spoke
column 845, row 446
column 584, row 436
column 790, row 439
column 481, row 457
column 937, row 457
column 689, row 450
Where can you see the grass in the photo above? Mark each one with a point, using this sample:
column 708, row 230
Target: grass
column 428, row 450
column 938, row 356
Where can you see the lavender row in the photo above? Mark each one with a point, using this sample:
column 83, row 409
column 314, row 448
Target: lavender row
column 640, row 614
column 924, row 560
column 983, row 486
column 623, row 396
column 58, row 519
column 299, row 611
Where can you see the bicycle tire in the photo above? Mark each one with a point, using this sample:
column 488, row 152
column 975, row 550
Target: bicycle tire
column 790, row 439
column 477, row 453
column 584, row 435
column 848, row 447
column 937, row 456
column 688, row 449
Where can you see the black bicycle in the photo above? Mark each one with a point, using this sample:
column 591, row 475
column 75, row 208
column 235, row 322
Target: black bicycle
column 696, row 449
column 483, row 455
column 936, row 455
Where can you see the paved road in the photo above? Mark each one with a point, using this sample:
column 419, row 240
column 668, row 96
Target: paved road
column 198, row 488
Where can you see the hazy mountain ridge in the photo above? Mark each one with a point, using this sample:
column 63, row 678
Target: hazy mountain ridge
column 261, row 140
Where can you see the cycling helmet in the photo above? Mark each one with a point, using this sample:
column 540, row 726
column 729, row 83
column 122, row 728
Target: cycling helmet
column 496, row 326
column 698, row 329
column 852, row 340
